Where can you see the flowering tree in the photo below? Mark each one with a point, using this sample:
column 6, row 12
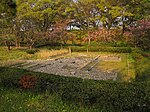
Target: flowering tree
column 103, row 35
column 139, row 34
column 59, row 31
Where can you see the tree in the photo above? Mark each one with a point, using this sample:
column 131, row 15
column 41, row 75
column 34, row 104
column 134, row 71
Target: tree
column 139, row 35
column 83, row 13
column 113, row 13
column 49, row 18
column 41, row 16
column 7, row 12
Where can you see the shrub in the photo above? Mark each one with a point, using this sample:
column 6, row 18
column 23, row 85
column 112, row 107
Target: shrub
column 27, row 81
column 120, row 44
column 32, row 51
column 146, row 55
column 144, row 75
column 107, row 44
column 142, row 65
column 55, row 47
column 106, row 95
column 102, row 49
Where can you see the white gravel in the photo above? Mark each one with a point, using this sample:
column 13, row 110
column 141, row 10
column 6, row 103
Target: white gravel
column 71, row 67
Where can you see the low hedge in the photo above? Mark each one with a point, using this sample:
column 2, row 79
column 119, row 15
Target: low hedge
column 106, row 95
column 102, row 49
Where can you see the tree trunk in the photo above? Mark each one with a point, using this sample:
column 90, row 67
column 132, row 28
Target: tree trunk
column 9, row 47
column 89, row 41
column 123, row 27
column 8, row 44
column 31, row 45
column 17, row 44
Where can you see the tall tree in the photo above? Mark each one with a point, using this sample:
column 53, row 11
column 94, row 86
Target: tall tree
column 41, row 15
column 83, row 13
column 7, row 15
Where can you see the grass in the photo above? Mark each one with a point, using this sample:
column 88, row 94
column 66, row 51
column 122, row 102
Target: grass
column 44, row 54
column 125, row 67
column 12, row 54
column 19, row 100
column 15, row 100
column 128, row 67
column 21, row 54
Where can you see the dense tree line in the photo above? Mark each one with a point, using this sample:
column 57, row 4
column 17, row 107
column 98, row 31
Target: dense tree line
column 50, row 21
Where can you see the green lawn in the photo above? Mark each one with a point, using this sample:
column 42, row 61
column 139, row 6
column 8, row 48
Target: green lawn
column 12, row 54
column 20, row 55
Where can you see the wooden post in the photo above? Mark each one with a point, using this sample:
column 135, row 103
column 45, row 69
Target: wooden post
column 61, row 46
column 87, row 49
column 128, row 63
column 127, row 73
column 69, row 51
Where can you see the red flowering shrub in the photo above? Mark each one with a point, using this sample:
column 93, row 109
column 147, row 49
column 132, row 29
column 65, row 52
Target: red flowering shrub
column 28, row 81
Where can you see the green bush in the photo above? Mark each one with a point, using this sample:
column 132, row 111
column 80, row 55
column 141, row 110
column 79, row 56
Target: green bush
column 102, row 49
column 32, row 51
column 106, row 95
column 55, row 47
column 143, row 75
column 120, row 44
column 106, row 44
